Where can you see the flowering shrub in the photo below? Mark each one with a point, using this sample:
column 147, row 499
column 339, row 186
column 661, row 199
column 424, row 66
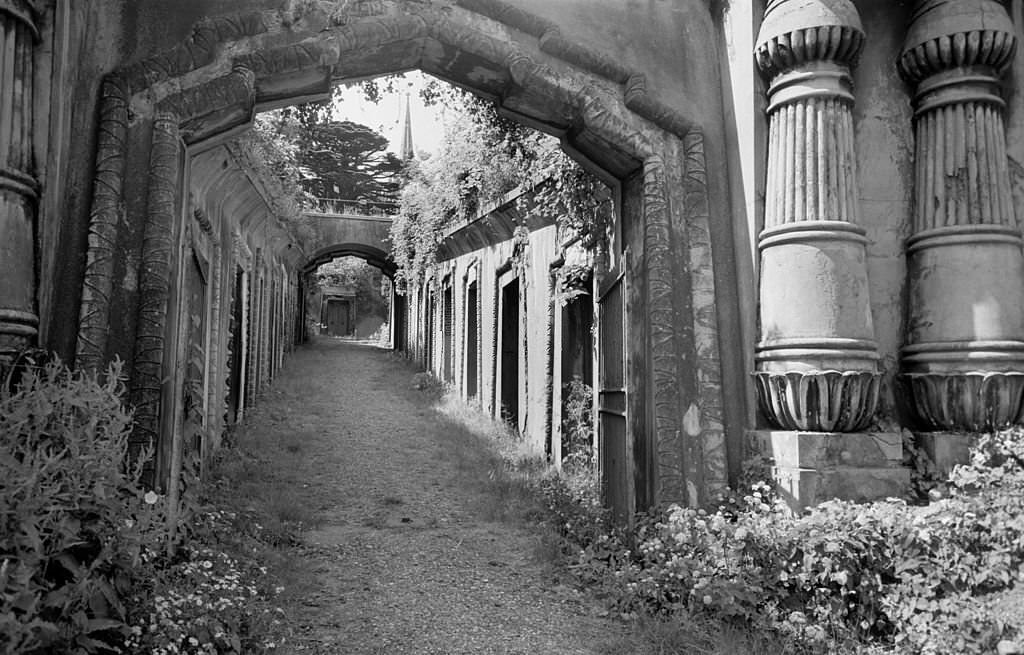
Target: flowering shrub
column 918, row 579
column 206, row 600
column 71, row 515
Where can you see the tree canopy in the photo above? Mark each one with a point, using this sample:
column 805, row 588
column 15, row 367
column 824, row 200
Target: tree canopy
column 334, row 159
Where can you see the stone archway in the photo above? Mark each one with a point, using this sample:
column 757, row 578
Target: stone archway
column 373, row 255
column 208, row 87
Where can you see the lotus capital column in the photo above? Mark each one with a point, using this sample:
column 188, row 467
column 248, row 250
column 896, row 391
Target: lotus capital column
column 817, row 358
column 19, row 322
column 964, row 356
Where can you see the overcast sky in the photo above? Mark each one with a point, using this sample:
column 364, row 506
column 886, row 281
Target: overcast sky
column 387, row 116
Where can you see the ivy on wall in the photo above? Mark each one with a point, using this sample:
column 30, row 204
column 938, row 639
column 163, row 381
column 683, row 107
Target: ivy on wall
column 484, row 156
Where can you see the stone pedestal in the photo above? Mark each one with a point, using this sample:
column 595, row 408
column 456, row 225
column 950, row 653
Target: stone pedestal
column 812, row 467
column 19, row 322
column 946, row 449
column 817, row 359
column 964, row 359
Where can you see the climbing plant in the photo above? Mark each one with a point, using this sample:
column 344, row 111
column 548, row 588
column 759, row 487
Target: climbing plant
column 483, row 156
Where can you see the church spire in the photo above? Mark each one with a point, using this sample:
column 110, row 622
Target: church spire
column 406, row 150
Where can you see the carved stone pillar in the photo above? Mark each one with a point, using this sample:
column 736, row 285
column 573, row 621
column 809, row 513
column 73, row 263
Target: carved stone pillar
column 19, row 322
column 964, row 357
column 817, row 359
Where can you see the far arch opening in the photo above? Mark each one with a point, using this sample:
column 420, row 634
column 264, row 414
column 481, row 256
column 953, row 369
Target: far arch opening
column 370, row 254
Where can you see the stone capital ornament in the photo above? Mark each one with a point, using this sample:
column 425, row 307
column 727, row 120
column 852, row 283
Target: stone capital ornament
column 963, row 361
column 817, row 359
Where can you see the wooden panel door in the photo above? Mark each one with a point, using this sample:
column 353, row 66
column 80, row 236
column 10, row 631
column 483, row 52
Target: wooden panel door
column 614, row 438
column 337, row 318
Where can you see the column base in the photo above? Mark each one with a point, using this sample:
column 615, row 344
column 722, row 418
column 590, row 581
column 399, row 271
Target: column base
column 813, row 467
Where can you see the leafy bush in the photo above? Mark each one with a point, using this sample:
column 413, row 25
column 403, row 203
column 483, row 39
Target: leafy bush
column 88, row 560
column 578, row 426
column 74, row 517
column 917, row 579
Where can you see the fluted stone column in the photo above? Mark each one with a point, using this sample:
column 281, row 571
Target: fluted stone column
column 964, row 357
column 817, row 359
column 19, row 322
column 817, row 369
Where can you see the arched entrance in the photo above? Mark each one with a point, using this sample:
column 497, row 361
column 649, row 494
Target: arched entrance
column 338, row 315
column 677, row 410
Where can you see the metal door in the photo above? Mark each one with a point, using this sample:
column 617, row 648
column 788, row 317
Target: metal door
column 614, row 438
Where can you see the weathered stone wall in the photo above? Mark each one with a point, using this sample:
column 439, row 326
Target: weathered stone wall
column 492, row 268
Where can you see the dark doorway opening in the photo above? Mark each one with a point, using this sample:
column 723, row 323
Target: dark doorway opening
column 472, row 341
column 235, row 365
column 429, row 328
column 449, row 329
column 510, row 354
column 577, row 373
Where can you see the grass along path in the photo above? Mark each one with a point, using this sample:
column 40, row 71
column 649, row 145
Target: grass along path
column 396, row 533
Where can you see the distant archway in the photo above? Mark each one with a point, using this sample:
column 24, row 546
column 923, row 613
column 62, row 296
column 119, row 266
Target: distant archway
column 373, row 256
column 208, row 88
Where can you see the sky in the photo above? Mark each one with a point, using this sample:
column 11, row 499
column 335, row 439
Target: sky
column 387, row 116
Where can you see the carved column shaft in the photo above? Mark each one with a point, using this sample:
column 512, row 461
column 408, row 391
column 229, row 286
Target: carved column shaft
column 19, row 322
column 155, row 288
column 964, row 356
column 817, row 357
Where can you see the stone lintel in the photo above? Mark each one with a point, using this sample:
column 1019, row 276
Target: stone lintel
column 946, row 449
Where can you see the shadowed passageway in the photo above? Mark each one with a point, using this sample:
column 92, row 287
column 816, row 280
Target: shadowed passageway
column 406, row 549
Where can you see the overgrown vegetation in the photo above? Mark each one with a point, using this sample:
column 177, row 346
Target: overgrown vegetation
column 846, row 577
column 371, row 287
column 89, row 562
column 484, row 156
column 578, row 454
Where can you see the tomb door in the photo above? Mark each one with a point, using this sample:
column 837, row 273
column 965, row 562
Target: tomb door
column 614, row 438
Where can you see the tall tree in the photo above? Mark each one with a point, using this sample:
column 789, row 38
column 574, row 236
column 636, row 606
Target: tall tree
column 342, row 159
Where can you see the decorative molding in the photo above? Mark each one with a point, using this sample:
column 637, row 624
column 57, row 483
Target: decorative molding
column 969, row 401
column 673, row 448
column 705, row 314
column 819, row 401
column 796, row 33
column 155, row 281
column 946, row 35
column 105, row 219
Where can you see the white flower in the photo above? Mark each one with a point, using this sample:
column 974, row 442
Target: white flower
column 741, row 533
column 151, row 497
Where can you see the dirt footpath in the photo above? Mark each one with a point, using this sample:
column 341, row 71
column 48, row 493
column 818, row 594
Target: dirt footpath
column 403, row 549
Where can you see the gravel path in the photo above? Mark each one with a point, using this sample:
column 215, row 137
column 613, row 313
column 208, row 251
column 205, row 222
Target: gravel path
column 403, row 555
